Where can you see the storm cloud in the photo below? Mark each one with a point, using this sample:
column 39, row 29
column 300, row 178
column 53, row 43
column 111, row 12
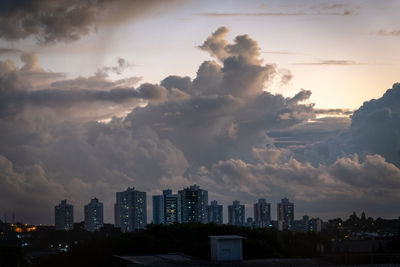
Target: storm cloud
column 375, row 129
column 52, row 21
column 220, row 129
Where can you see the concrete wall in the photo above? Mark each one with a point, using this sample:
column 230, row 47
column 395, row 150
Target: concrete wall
column 226, row 249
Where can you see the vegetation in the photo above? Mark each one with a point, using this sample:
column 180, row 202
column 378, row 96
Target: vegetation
column 191, row 239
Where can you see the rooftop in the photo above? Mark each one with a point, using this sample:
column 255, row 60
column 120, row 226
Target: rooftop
column 223, row 237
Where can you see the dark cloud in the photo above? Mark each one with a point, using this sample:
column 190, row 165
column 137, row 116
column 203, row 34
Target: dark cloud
column 300, row 96
column 220, row 130
column 68, row 98
column 374, row 130
column 99, row 81
column 28, row 87
column 310, row 132
column 67, row 20
column 4, row 50
column 80, row 160
column 349, row 180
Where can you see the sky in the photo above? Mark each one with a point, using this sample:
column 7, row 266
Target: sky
column 248, row 99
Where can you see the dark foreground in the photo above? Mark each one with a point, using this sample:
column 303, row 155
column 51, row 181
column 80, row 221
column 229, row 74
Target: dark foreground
column 159, row 245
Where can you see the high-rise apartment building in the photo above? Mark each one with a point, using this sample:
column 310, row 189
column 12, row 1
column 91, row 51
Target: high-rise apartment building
column 94, row 219
column 315, row 225
column 173, row 207
column 130, row 210
column 167, row 208
column 215, row 212
column 64, row 216
column 194, row 204
column 158, row 209
column 262, row 213
column 285, row 211
column 236, row 214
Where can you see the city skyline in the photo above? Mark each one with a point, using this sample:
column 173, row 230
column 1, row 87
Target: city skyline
column 250, row 100
column 168, row 209
column 261, row 218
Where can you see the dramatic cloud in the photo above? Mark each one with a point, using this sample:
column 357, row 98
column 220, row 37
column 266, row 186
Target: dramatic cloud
column 29, row 76
column 309, row 132
column 67, row 98
column 222, row 130
column 28, row 87
column 348, row 180
column 28, row 185
column 242, row 73
column 375, row 129
column 67, row 20
column 99, row 81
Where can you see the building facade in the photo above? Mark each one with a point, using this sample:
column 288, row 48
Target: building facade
column 130, row 210
column 262, row 213
column 64, row 216
column 236, row 214
column 285, row 212
column 158, row 209
column 215, row 213
column 194, row 204
column 173, row 207
column 94, row 219
column 167, row 208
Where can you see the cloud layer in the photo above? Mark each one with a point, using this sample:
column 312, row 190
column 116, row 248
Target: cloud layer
column 222, row 130
column 67, row 20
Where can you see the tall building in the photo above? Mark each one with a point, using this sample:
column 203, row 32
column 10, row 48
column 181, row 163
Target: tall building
column 173, row 207
column 158, row 209
column 285, row 211
column 306, row 223
column 64, row 216
column 215, row 213
column 194, row 204
column 130, row 210
column 315, row 225
column 94, row 219
column 167, row 208
column 236, row 214
column 262, row 213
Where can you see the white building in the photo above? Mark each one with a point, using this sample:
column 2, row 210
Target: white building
column 226, row 247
